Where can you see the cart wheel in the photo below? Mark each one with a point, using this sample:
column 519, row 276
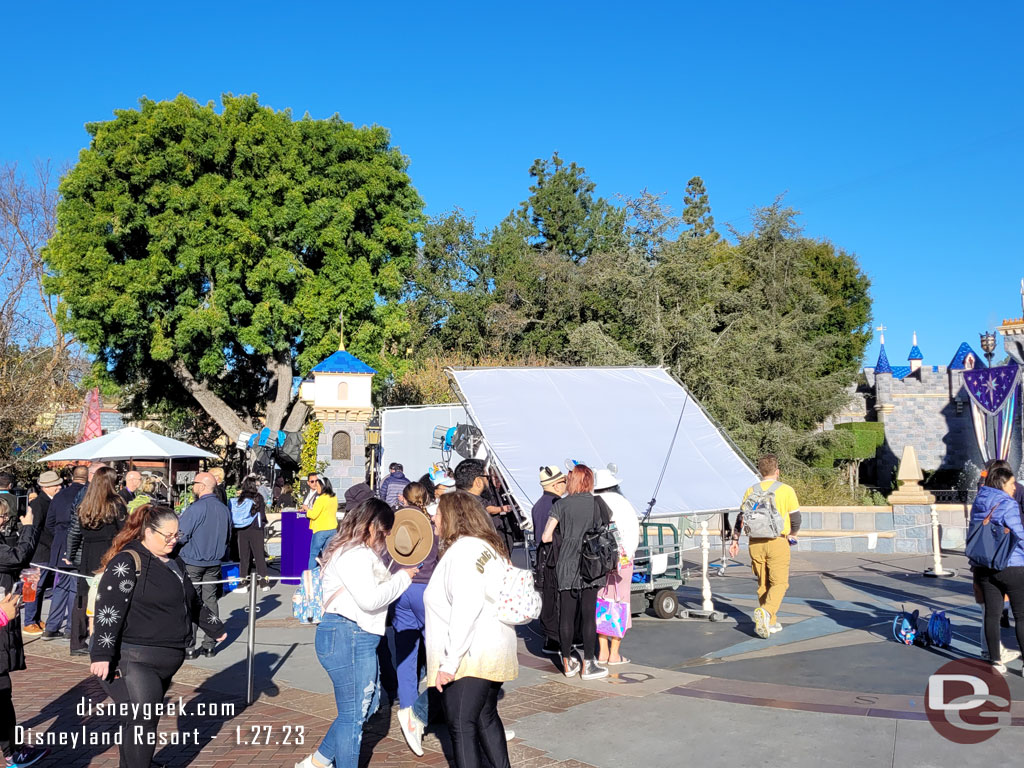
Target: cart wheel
column 666, row 604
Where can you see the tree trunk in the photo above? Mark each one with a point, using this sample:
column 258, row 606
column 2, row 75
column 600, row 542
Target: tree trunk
column 226, row 418
column 297, row 417
column 280, row 366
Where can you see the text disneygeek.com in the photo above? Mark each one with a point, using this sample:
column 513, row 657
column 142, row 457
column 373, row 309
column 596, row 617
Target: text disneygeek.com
column 139, row 727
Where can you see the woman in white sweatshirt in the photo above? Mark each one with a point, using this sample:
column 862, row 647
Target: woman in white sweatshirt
column 357, row 592
column 470, row 653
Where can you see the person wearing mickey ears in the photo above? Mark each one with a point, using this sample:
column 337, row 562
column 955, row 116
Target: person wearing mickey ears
column 145, row 608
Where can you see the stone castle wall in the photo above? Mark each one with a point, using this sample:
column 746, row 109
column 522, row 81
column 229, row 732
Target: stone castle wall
column 929, row 410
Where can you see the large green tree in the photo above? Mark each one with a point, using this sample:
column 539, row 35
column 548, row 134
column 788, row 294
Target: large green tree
column 204, row 255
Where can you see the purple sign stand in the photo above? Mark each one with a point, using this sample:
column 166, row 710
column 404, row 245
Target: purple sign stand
column 295, row 541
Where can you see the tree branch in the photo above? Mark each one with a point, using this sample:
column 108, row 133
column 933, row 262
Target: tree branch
column 210, row 402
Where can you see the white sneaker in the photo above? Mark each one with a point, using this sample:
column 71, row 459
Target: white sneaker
column 1009, row 655
column 412, row 729
column 265, row 588
column 307, row 762
column 776, row 627
column 242, row 591
column 999, row 667
column 509, row 734
column 591, row 670
column 761, row 622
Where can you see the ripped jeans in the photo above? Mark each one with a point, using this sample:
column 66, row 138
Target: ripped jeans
column 349, row 655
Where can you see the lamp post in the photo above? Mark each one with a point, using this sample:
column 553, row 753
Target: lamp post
column 988, row 345
column 373, row 447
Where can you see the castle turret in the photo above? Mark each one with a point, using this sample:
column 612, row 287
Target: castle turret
column 915, row 357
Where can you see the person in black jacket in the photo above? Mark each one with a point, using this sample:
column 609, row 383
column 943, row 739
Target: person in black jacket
column 49, row 485
column 100, row 516
column 58, row 520
column 145, row 607
column 16, row 547
column 553, row 482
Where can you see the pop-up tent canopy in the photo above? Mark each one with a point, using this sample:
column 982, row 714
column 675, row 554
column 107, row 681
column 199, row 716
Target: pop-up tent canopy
column 627, row 416
column 406, row 435
column 129, row 443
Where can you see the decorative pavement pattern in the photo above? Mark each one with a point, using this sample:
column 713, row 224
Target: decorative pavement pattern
column 835, row 656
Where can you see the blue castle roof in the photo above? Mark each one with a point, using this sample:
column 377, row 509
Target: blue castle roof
column 882, row 366
column 915, row 353
column 901, row 371
column 957, row 363
column 342, row 362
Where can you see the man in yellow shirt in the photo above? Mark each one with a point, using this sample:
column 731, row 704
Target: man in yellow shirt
column 770, row 540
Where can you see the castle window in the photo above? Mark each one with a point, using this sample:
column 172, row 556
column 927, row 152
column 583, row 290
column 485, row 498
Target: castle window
column 341, row 446
column 343, row 391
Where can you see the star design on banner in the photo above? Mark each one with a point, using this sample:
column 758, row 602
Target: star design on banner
column 107, row 615
column 990, row 385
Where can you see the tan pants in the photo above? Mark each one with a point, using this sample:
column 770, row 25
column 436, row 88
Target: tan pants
column 770, row 561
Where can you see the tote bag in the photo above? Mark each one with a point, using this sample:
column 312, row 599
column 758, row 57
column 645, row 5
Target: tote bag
column 990, row 546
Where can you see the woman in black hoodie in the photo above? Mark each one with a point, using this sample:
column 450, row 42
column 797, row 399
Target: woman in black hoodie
column 145, row 608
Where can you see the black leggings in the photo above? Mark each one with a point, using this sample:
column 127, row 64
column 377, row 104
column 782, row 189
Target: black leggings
column 471, row 709
column 145, row 676
column 578, row 606
column 995, row 584
column 7, row 716
column 250, row 546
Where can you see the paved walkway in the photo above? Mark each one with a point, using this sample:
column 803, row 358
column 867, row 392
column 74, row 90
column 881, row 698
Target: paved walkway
column 831, row 689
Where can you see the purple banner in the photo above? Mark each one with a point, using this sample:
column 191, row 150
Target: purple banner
column 991, row 387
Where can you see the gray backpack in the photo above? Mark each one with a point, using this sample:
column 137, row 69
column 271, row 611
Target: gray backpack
column 761, row 520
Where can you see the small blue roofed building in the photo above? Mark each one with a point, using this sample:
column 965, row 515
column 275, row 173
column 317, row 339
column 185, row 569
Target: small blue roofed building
column 338, row 391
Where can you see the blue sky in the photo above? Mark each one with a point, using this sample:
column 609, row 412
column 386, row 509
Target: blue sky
column 896, row 128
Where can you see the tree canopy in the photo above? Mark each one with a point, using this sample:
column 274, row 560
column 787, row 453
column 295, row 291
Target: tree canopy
column 204, row 255
column 768, row 331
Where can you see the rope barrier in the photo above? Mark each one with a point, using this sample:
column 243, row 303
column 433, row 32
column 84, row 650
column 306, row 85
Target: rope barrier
column 232, row 580
column 809, row 537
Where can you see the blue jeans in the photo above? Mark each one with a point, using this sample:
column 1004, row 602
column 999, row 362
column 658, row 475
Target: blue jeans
column 408, row 624
column 320, row 538
column 61, row 600
column 349, row 655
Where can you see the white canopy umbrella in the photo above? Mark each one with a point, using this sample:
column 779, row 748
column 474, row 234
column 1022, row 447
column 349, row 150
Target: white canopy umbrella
column 129, row 443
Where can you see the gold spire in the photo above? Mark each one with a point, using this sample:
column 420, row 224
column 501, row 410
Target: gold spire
column 341, row 331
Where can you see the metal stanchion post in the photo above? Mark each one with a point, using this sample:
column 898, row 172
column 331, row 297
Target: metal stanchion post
column 707, row 609
column 251, row 641
column 707, row 605
column 937, row 571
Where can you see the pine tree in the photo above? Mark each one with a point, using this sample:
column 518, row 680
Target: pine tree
column 697, row 213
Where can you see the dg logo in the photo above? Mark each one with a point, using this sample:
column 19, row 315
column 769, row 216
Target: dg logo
column 967, row 702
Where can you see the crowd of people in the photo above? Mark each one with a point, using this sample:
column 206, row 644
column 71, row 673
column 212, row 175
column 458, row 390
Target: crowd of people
column 427, row 558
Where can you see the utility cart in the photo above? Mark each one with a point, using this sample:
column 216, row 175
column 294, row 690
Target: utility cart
column 659, row 562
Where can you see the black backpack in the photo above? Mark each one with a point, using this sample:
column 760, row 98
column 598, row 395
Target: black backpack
column 600, row 552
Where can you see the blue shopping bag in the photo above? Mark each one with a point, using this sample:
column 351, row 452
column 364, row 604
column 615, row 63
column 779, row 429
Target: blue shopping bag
column 990, row 546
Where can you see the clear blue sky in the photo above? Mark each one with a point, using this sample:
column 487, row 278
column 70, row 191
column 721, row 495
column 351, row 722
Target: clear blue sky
column 896, row 128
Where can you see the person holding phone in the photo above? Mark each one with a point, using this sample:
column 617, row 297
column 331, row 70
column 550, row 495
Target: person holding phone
column 145, row 608
column 16, row 547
